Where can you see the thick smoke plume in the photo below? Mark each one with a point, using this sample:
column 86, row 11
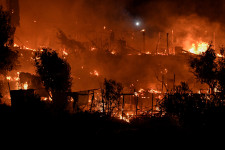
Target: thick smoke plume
column 84, row 25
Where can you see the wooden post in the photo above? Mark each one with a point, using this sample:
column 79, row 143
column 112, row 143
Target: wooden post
column 174, row 79
column 136, row 106
column 167, row 43
column 214, row 40
column 162, row 82
column 143, row 32
column 123, row 107
column 173, row 51
column 103, row 104
column 158, row 43
column 92, row 100
column 152, row 103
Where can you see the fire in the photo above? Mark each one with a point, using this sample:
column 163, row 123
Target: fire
column 25, row 86
column 95, row 72
column 15, row 45
column 147, row 53
column 113, row 52
column 141, row 90
column 93, row 49
column 199, row 48
column 65, row 53
column 8, row 78
column 154, row 91
column 23, row 47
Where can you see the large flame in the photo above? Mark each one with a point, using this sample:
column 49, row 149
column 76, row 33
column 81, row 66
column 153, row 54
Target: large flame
column 198, row 48
column 25, row 86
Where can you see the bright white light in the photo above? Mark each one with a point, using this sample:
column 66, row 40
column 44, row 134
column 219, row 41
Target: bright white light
column 137, row 23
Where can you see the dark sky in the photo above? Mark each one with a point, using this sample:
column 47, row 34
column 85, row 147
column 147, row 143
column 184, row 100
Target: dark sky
column 91, row 15
column 83, row 20
column 213, row 9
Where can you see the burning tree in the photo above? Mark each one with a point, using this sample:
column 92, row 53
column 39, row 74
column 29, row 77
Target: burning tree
column 55, row 75
column 205, row 68
column 112, row 93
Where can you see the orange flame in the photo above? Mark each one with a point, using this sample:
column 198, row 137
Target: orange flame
column 199, row 48
column 95, row 73
column 25, row 86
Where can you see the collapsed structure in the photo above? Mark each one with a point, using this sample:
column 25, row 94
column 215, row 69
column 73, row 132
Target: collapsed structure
column 146, row 74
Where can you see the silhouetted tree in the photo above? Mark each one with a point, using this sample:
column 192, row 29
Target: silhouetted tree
column 7, row 56
column 187, row 107
column 55, row 75
column 6, row 29
column 182, row 88
column 221, row 72
column 112, row 93
column 205, row 68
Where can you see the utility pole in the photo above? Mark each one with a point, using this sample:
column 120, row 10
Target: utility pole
column 167, row 42
column 173, row 51
column 143, row 32
column 174, row 79
column 158, row 43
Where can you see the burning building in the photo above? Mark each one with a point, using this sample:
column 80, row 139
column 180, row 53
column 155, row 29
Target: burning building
column 101, row 40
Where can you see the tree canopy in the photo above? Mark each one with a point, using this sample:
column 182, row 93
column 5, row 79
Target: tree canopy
column 205, row 67
column 55, row 75
column 112, row 93
column 6, row 29
column 8, row 57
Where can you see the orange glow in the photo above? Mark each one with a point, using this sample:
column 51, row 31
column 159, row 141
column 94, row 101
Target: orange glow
column 9, row 78
column 95, row 73
column 15, row 45
column 93, row 48
column 25, row 86
column 113, row 52
column 65, row 53
column 141, row 90
column 154, row 91
column 198, row 48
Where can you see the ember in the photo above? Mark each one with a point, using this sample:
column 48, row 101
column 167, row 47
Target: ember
column 199, row 48
column 25, row 86
column 125, row 59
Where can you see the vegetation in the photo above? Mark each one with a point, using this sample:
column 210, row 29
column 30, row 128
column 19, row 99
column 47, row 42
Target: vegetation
column 192, row 111
column 205, row 68
column 112, row 93
column 201, row 111
column 55, row 75
column 8, row 57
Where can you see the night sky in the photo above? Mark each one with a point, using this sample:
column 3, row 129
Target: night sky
column 90, row 16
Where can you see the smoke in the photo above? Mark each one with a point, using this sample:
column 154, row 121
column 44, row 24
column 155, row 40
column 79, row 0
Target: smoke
column 190, row 20
column 72, row 24
column 81, row 19
column 85, row 19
